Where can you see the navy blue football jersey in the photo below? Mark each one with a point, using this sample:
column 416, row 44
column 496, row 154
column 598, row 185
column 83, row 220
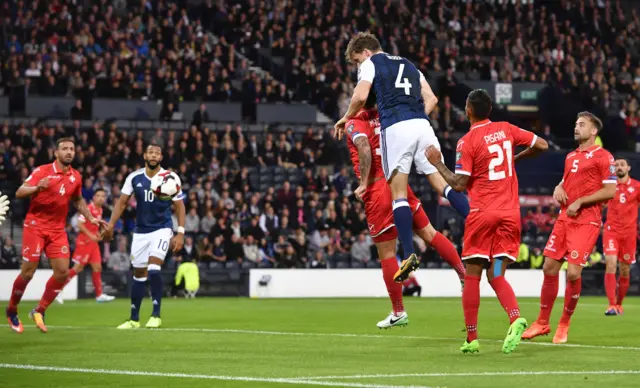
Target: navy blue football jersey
column 396, row 83
column 151, row 213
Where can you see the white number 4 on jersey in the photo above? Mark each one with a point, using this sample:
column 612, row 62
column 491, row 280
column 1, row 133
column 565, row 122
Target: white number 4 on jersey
column 403, row 83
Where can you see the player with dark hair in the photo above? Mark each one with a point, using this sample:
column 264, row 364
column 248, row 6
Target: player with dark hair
column 88, row 250
column 485, row 166
column 363, row 139
column 152, row 236
column 589, row 181
column 619, row 236
column 404, row 100
column 51, row 187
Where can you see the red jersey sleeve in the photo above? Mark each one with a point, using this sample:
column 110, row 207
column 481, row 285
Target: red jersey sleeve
column 36, row 176
column 522, row 137
column 464, row 157
column 608, row 168
column 357, row 128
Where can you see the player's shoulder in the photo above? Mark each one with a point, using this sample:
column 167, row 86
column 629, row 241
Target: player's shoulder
column 136, row 173
column 604, row 154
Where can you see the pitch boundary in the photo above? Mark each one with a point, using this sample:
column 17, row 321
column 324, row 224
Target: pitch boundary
column 346, row 335
column 477, row 374
column 275, row 380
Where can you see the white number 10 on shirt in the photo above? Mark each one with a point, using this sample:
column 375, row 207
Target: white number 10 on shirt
column 498, row 160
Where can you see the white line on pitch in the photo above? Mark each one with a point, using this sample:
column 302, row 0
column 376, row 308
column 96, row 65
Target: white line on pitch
column 478, row 374
column 342, row 335
column 198, row 376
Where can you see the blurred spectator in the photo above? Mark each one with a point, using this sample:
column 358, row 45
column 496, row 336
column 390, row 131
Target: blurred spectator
column 120, row 260
column 360, row 250
column 9, row 255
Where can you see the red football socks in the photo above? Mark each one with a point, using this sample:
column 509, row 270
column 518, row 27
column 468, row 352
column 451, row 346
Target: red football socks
column 506, row 296
column 389, row 269
column 548, row 297
column 96, row 278
column 19, row 285
column 622, row 289
column 52, row 289
column 448, row 252
column 470, row 305
column 571, row 297
column 72, row 273
column 610, row 287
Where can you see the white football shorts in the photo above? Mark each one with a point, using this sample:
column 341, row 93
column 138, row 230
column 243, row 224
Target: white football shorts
column 145, row 245
column 404, row 143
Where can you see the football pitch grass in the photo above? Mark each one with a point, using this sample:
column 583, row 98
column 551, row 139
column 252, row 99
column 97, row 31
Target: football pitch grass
column 239, row 342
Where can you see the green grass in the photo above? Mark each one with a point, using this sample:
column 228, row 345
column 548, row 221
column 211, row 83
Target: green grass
column 228, row 339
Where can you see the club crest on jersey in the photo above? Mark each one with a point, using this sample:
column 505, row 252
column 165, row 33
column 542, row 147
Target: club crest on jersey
column 627, row 256
column 72, row 179
column 631, row 189
column 64, row 249
column 574, row 254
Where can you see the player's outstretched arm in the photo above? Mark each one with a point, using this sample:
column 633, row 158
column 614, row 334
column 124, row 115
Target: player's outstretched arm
column 364, row 156
column 118, row 209
column 458, row 182
column 539, row 146
column 359, row 98
column 177, row 242
column 428, row 96
column 83, row 229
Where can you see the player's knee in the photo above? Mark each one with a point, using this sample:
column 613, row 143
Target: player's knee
column 27, row 272
column 612, row 263
column 61, row 274
column 625, row 270
column 474, row 267
column 551, row 267
column 572, row 276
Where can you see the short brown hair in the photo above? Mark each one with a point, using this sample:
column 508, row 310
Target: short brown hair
column 362, row 41
column 65, row 140
column 593, row 118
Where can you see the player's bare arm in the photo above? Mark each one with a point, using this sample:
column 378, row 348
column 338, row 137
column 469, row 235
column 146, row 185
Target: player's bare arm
column 457, row 182
column 118, row 209
column 81, row 205
column 177, row 241
column 607, row 192
column 364, row 156
column 27, row 190
column 428, row 96
column 559, row 194
column 359, row 98
column 83, row 229
column 539, row 146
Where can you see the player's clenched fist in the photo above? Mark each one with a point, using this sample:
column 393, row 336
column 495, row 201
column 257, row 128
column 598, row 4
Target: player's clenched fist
column 433, row 154
column 4, row 207
column 43, row 184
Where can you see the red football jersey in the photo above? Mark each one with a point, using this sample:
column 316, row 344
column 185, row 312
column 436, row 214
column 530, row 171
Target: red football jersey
column 49, row 208
column 366, row 123
column 622, row 215
column 485, row 154
column 96, row 212
column 584, row 173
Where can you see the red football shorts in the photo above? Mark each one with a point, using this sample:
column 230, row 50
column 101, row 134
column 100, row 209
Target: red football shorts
column 623, row 247
column 87, row 254
column 492, row 234
column 572, row 241
column 378, row 208
column 53, row 243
